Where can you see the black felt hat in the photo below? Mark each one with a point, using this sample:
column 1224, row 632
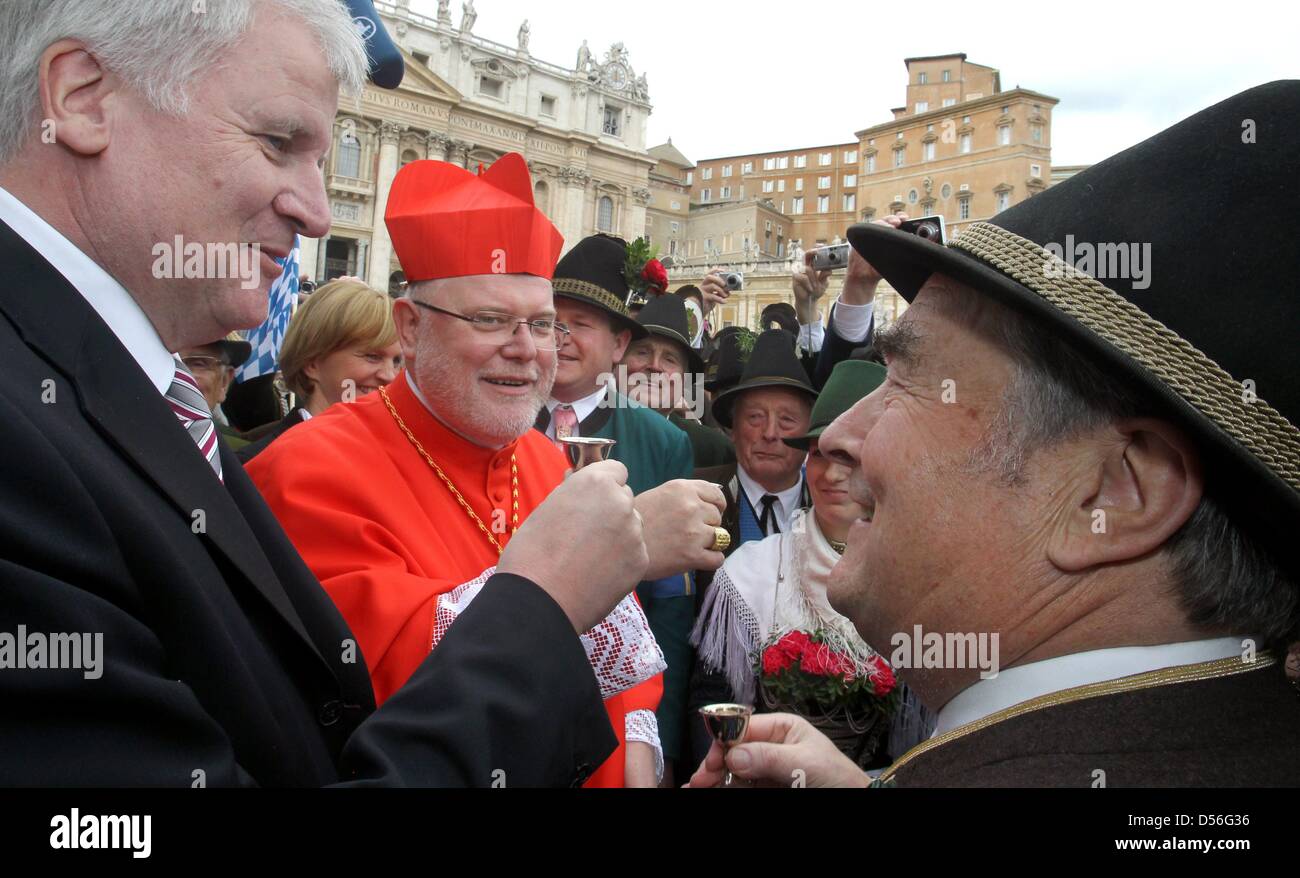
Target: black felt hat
column 593, row 273
column 780, row 315
column 237, row 350
column 774, row 363
column 732, row 346
column 1210, row 328
column 666, row 317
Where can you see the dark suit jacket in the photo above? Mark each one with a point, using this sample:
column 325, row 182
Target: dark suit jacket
column 1237, row 730
column 726, row 478
column 263, row 436
column 223, row 659
column 835, row 350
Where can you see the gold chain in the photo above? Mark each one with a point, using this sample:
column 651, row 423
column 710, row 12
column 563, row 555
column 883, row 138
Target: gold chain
column 514, row 478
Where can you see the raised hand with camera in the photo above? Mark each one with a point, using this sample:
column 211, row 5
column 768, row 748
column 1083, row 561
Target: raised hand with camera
column 717, row 287
column 861, row 280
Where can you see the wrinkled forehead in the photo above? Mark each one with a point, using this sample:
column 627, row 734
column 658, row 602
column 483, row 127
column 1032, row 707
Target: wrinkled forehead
column 774, row 401
column 662, row 345
column 945, row 317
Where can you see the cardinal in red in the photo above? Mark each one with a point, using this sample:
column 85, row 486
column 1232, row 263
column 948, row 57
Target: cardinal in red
column 402, row 501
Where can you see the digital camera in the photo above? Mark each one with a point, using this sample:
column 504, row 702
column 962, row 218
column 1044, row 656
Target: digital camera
column 832, row 258
column 928, row 227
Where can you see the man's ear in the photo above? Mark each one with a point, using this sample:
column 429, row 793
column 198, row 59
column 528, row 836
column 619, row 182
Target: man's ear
column 406, row 317
column 1129, row 498
column 77, row 95
column 622, row 338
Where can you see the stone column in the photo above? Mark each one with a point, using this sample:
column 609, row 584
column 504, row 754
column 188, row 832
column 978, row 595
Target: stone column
column 458, row 153
column 382, row 245
column 363, row 250
column 636, row 214
column 311, row 248
column 575, row 205
column 436, row 146
column 320, row 259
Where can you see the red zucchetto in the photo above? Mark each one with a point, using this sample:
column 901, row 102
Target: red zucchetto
column 447, row 222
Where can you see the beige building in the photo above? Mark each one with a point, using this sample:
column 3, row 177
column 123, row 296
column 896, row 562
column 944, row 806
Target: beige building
column 1061, row 173
column 960, row 147
column 816, row 187
column 469, row 100
column 669, row 209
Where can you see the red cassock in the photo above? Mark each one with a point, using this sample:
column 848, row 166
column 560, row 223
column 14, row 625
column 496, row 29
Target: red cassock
column 386, row 537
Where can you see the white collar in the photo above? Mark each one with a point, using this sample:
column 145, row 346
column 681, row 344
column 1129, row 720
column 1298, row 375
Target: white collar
column 581, row 407
column 109, row 298
column 1024, row 682
column 787, row 501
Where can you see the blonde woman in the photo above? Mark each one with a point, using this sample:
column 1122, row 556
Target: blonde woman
column 341, row 345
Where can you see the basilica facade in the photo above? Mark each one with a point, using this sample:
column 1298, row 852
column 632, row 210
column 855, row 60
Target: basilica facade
column 469, row 100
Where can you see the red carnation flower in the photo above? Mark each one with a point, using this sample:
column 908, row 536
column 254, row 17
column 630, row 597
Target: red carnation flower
column 821, row 660
column 883, row 677
column 775, row 661
column 655, row 275
column 793, row 645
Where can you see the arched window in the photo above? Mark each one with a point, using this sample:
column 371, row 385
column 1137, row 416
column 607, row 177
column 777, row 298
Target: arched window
column 542, row 196
column 605, row 214
column 409, row 156
column 348, row 163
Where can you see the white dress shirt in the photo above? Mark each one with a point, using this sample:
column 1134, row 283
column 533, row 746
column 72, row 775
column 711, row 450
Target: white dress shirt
column 109, row 298
column 786, row 503
column 581, row 407
column 1025, row 682
column 849, row 322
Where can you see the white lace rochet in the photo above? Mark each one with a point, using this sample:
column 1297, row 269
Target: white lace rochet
column 622, row 650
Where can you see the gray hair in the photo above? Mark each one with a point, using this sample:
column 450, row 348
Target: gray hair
column 1225, row 578
column 159, row 47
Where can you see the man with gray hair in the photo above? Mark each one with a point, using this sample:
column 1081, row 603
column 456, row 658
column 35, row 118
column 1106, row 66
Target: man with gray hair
column 1096, row 477
column 143, row 134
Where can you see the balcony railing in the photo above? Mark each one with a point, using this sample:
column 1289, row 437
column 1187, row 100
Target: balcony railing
column 350, row 185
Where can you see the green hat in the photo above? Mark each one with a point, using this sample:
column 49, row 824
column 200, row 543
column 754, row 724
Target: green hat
column 665, row 316
column 848, row 385
column 774, row 363
column 593, row 273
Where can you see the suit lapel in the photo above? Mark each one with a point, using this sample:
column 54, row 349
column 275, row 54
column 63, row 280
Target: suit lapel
column 120, row 401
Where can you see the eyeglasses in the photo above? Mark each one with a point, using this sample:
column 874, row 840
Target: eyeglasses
column 204, row 364
column 497, row 328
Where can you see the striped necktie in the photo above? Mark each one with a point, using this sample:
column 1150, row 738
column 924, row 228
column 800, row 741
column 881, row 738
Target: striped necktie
column 191, row 408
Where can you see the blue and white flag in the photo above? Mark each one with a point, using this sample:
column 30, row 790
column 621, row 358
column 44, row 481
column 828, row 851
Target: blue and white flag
column 269, row 337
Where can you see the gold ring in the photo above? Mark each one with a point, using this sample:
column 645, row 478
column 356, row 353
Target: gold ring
column 721, row 540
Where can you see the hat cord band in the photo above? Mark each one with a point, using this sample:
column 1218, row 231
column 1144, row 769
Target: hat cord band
column 1199, row 380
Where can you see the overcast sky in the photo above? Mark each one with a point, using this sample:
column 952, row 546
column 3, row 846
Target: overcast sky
column 728, row 78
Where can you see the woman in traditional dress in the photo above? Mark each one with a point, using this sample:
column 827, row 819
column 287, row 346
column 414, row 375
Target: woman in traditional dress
column 770, row 588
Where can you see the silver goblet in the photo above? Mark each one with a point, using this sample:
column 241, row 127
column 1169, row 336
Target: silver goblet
column 583, row 450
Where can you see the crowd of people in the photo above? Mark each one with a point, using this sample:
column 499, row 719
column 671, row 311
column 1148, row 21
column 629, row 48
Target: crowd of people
column 388, row 566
